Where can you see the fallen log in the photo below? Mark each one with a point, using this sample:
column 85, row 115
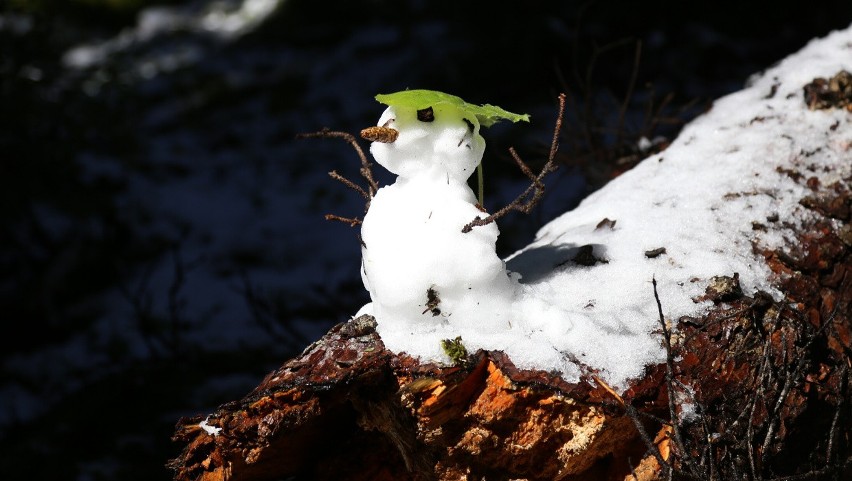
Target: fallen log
column 754, row 387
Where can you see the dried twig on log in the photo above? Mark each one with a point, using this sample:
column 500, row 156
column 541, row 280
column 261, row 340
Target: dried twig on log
column 366, row 171
column 533, row 194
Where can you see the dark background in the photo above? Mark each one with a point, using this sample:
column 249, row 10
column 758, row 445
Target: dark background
column 163, row 245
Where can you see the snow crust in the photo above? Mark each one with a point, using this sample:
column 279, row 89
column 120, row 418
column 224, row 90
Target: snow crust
column 699, row 199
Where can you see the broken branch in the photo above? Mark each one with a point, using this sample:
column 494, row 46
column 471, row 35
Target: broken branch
column 348, row 183
column 667, row 344
column 366, row 166
column 366, row 171
column 351, row 221
column 528, row 199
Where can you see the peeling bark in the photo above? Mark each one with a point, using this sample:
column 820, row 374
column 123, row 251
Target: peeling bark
column 348, row 409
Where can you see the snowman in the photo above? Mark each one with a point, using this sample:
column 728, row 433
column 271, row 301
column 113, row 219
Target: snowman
column 422, row 272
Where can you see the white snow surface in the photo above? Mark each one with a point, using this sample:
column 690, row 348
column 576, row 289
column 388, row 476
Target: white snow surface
column 698, row 199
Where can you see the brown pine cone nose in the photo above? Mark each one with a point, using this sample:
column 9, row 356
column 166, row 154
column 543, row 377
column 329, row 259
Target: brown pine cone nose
column 385, row 135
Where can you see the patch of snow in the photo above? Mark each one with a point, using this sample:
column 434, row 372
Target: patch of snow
column 212, row 430
column 246, row 15
column 698, row 199
column 220, row 20
column 685, row 400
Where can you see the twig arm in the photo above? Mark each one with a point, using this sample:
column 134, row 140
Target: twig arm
column 530, row 197
column 366, row 165
column 366, row 171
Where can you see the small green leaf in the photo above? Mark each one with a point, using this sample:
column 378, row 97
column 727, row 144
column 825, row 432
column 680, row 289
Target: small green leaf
column 421, row 99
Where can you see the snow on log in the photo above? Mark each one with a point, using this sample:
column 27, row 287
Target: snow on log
column 711, row 341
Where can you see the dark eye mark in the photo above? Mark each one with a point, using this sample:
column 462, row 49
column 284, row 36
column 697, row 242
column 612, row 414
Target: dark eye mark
column 426, row 115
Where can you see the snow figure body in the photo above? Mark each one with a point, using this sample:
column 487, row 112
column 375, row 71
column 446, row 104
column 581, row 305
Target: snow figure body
column 420, row 269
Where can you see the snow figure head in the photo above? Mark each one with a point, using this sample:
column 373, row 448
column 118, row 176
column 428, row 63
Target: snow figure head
column 436, row 140
column 423, row 273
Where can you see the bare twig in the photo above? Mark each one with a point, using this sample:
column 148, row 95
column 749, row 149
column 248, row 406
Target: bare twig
column 175, row 301
column 637, row 55
column 523, row 166
column 781, row 365
column 366, row 172
column 832, row 433
column 775, row 416
column 761, row 374
column 711, row 461
column 608, row 389
column 141, row 302
column 351, row 221
column 792, row 376
column 533, row 194
column 667, row 340
column 632, row 469
column 348, row 183
column 655, row 451
column 586, row 117
column 653, row 114
column 817, row 474
column 366, row 165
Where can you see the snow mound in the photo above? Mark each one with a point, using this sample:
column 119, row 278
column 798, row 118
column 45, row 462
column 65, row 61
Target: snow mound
column 584, row 299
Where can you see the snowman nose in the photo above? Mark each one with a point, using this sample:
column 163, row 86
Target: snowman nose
column 385, row 135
